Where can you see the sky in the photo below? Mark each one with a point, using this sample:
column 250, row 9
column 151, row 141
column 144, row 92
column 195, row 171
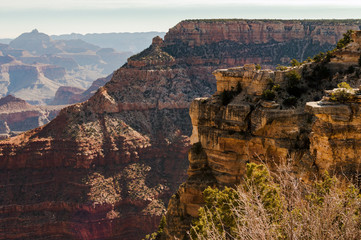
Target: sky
column 103, row 16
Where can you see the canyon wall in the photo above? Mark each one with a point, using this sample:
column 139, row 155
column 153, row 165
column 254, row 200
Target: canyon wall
column 106, row 168
column 267, row 42
column 251, row 126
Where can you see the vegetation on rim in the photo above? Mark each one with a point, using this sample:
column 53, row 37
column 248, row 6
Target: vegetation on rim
column 280, row 206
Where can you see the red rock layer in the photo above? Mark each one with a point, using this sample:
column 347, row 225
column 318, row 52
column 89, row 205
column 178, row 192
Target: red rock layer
column 200, row 32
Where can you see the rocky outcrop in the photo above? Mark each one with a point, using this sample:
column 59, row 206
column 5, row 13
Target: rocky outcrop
column 152, row 56
column 63, row 95
column 109, row 165
column 335, row 139
column 312, row 136
column 91, row 90
column 348, row 56
column 71, row 95
column 16, row 115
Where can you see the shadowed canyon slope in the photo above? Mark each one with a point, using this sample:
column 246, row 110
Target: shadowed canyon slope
column 273, row 119
column 105, row 168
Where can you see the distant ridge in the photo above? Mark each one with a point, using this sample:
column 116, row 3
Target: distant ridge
column 124, row 41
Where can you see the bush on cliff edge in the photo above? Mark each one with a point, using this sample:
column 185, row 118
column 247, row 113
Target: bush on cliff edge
column 280, row 207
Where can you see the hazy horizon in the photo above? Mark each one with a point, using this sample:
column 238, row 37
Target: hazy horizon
column 115, row 16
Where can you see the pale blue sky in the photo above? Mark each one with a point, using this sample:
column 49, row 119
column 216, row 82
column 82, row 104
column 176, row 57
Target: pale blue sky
column 89, row 16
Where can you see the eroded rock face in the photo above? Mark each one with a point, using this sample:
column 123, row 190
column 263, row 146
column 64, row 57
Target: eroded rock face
column 335, row 139
column 64, row 95
column 16, row 115
column 314, row 137
column 255, row 31
column 239, row 42
column 349, row 55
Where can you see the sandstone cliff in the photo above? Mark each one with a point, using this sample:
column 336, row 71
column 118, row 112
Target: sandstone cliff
column 105, row 168
column 238, row 42
column 255, row 126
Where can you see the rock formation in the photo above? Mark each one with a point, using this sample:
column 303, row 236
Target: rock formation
column 71, row 95
column 16, row 116
column 287, row 126
column 105, row 168
column 238, row 42
column 64, row 94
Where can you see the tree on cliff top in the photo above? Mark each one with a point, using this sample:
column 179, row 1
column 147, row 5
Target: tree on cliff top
column 345, row 40
column 280, row 207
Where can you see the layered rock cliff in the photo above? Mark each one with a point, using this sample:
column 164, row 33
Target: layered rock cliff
column 271, row 117
column 16, row 116
column 105, row 168
column 268, row 42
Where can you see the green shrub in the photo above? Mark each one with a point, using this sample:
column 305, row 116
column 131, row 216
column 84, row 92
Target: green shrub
column 281, row 68
column 345, row 40
column 343, row 94
column 293, row 78
column 319, row 57
column 276, row 87
column 157, row 235
column 217, row 209
column 340, row 95
column 280, row 207
column 219, row 205
column 295, row 63
column 270, row 83
column 258, row 180
column 344, row 85
column 268, row 94
column 258, row 67
column 329, row 55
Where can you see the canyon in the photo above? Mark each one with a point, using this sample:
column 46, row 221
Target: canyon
column 106, row 168
column 33, row 66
